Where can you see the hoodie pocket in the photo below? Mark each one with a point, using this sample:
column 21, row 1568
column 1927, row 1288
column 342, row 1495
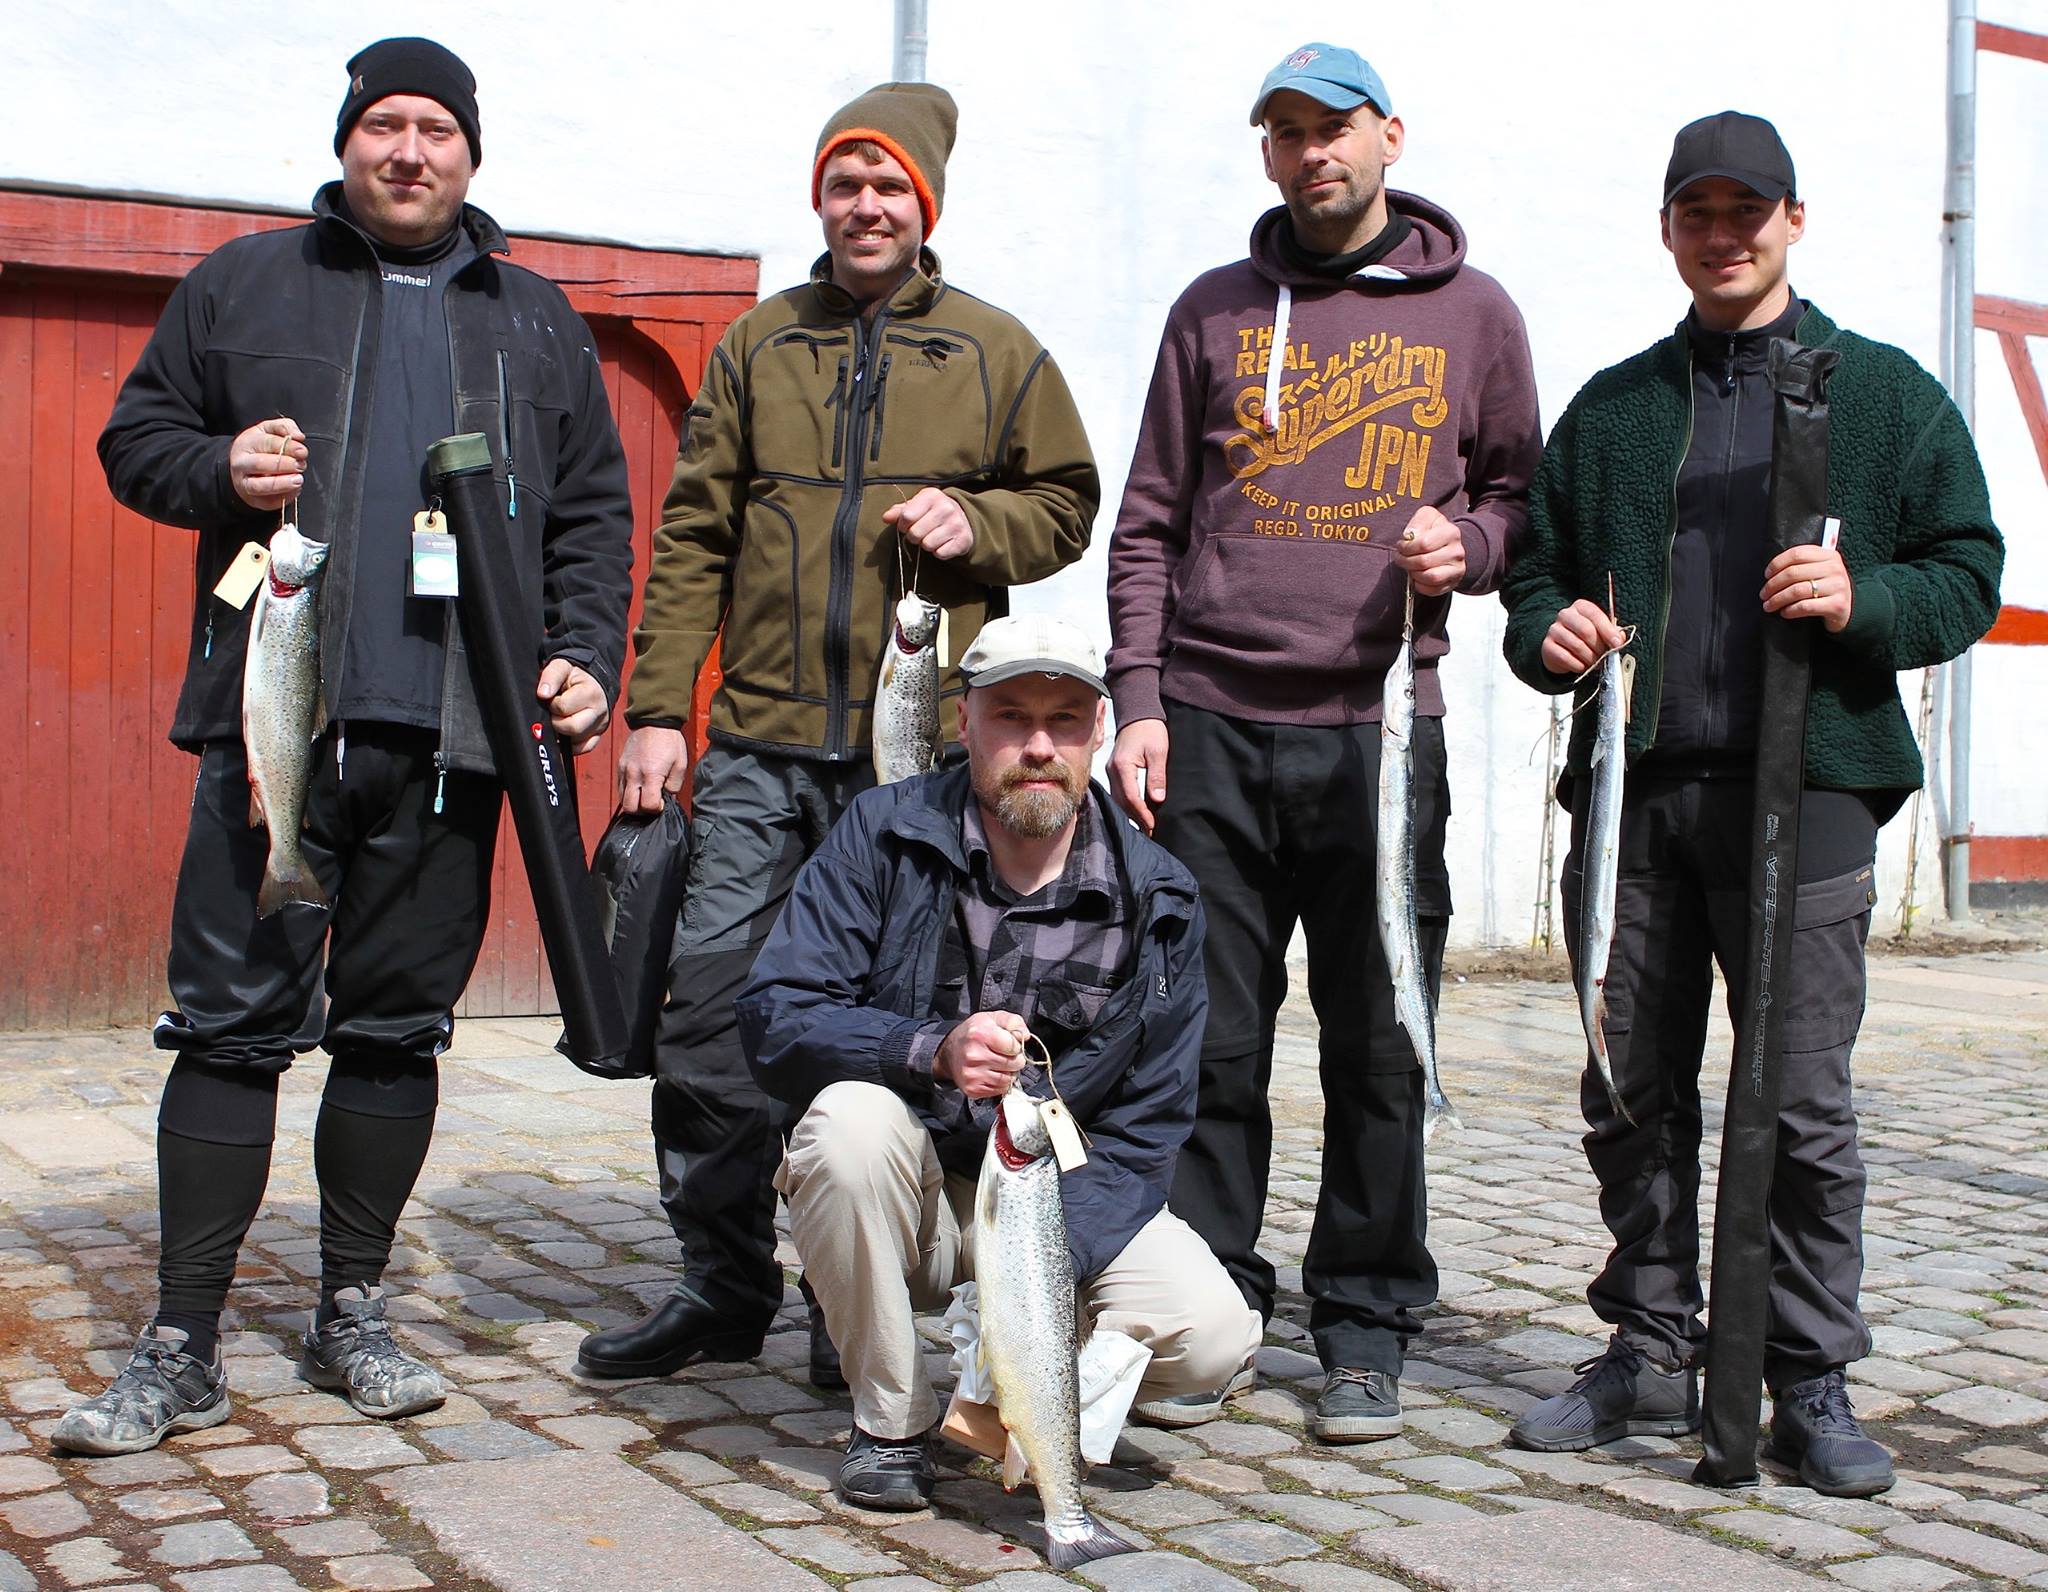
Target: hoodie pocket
column 1282, row 602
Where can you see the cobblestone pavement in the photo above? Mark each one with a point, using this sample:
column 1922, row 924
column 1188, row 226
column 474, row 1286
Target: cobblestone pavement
column 536, row 1219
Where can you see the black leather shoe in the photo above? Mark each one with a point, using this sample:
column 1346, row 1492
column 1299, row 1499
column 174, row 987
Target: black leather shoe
column 675, row 1332
column 826, row 1376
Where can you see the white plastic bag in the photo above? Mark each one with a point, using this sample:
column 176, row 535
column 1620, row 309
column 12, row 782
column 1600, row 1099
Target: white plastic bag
column 1111, row 1365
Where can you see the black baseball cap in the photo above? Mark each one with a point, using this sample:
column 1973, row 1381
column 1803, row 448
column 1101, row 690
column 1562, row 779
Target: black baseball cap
column 1746, row 149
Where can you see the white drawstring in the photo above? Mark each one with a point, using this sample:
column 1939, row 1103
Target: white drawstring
column 1277, row 357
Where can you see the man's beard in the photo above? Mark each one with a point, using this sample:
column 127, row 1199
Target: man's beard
column 1336, row 217
column 1031, row 814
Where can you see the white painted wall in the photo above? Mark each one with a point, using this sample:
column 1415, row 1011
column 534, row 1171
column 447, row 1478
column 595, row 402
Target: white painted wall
column 1104, row 159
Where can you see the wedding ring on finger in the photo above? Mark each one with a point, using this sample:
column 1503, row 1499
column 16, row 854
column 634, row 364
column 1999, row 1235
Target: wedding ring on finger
column 1814, row 587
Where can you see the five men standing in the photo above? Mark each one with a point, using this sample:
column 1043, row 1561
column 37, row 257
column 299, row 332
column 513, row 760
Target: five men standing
column 1339, row 425
column 1348, row 412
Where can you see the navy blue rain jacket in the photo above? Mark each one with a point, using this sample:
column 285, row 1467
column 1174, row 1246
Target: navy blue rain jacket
column 847, row 977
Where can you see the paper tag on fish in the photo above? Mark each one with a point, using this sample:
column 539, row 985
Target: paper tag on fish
column 1628, row 687
column 945, row 642
column 244, row 575
column 1065, row 1136
column 432, row 572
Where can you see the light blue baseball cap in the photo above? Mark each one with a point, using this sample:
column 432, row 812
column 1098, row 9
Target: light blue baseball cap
column 1340, row 79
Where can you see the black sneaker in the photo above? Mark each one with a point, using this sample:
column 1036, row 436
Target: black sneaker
column 162, row 1390
column 1814, row 1430
column 887, row 1472
column 1193, row 1409
column 1619, row 1394
column 1357, row 1407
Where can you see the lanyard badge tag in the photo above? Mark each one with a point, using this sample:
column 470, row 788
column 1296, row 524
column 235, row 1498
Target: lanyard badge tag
column 432, row 572
column 244, row 575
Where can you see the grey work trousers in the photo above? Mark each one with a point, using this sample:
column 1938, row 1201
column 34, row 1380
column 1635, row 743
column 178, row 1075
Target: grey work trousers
column 755, row 819
column 1681, row 905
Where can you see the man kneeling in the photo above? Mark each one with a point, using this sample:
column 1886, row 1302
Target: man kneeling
column 946, row 918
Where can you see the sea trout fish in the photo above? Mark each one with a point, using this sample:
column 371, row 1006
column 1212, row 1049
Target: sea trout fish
column 906, row 734
column 1025, row 1278
column 1399, row 937
column 1601, row 864
column 282, row 711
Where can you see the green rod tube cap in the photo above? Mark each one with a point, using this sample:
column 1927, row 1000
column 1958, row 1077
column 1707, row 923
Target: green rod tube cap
column 459, row 455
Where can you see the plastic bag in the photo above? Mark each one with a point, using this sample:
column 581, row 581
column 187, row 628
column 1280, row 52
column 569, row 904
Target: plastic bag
column 1111, row 1366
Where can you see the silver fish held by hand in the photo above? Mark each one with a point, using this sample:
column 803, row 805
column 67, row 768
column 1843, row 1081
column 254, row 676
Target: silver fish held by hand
column 1025, row 1278
column 906, row 733
column 1601, row 865
column 282, row 711
column 1395, row 847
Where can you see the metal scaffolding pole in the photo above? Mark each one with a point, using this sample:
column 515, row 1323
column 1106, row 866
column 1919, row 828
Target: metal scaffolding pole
column 1959, row 248
column 907, row 66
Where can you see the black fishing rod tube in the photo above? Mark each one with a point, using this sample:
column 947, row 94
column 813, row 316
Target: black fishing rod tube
column 1739, row 1316
column 538, row 779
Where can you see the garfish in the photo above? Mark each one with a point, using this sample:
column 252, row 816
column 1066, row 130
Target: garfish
column 1026, row 1281
column 906, row 733
column 1395, row 845
column 1601, row 863
column 282, row 711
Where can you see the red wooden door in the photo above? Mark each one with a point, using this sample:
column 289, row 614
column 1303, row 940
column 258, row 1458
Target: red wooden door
column 92, row 649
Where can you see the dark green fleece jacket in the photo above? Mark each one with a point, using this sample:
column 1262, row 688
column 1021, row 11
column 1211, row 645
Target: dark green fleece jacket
column 1917, row 537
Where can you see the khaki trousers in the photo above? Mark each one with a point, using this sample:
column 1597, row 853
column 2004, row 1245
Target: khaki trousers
column 884, row 1232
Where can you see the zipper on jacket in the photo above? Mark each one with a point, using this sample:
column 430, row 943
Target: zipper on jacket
column 440, row 777
column 1656, row 683
column 845, row 524
column 341, row 566
column 504, row 427
column 836, row 402
column 1715, row 651
column 881, row 402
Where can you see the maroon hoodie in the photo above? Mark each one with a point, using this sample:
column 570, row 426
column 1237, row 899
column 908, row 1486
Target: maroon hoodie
column 1250, row 571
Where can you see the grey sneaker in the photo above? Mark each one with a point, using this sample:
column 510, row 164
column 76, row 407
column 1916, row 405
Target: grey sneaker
column 1814, row 1429
column 1192, row 1409
column 1357, row 1407
column 1619, row 1394
column 893, row 1473
column 354, row 1355
column 162, row 1390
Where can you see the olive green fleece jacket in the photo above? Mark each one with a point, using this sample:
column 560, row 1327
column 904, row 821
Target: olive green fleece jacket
column 809, row 423
column 1923, row 556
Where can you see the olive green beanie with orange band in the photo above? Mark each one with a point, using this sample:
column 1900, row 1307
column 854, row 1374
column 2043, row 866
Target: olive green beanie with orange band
column 914, row 122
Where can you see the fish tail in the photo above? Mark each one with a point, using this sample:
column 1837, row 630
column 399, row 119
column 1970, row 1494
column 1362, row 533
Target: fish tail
column 1439, row 1113
column 1601, row 1062
column 1084, row 1539
column 280, row 890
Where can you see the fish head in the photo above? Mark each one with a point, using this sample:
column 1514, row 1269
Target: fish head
column 295, row 560
column 917, row 621
column 1021, row 1126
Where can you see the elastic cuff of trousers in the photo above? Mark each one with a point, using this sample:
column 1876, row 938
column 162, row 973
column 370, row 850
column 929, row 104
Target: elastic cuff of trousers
column 219, row 1105
column 383, row 1084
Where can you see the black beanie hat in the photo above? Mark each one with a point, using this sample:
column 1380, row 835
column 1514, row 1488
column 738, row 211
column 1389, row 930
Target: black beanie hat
column 411, row 66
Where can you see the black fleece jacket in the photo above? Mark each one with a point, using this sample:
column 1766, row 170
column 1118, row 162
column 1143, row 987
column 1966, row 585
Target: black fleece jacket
column 288, row 323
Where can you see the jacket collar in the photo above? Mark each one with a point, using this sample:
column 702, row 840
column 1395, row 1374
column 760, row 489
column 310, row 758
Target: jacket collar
column 1814, row 330
column 330, row 217
column 919, row 291
column 931, row 811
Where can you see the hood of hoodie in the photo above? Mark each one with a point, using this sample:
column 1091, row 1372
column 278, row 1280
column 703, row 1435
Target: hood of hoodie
column 1431, row 253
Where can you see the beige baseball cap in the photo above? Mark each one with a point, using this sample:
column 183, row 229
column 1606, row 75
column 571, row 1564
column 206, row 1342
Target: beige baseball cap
column 1032, row 644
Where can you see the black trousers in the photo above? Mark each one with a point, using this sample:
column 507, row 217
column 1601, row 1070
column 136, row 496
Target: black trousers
column 1681, row 906
column 1277, row 823
column 411, row 893
column 755, row 819
column 411, row 890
